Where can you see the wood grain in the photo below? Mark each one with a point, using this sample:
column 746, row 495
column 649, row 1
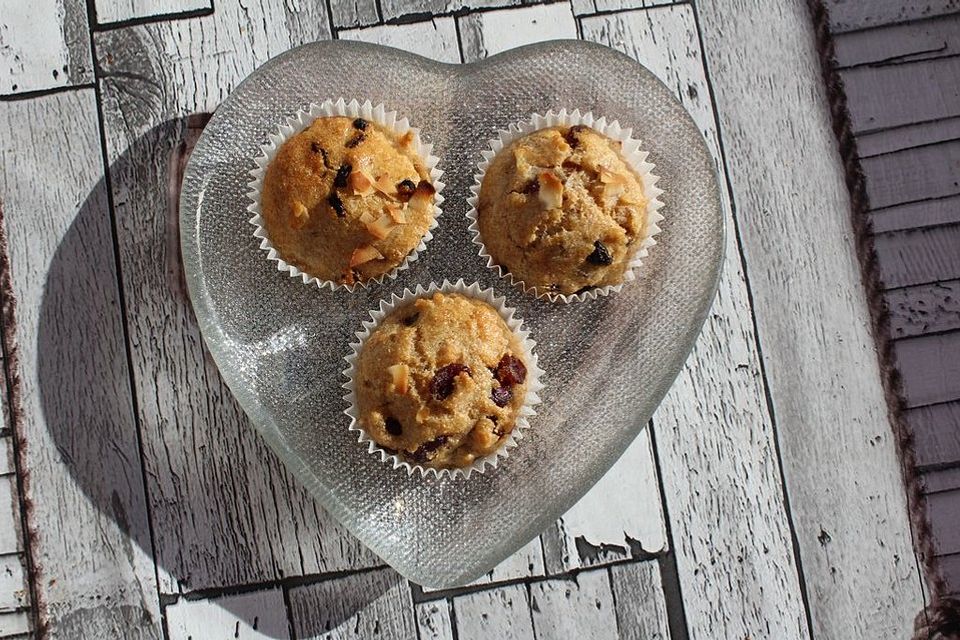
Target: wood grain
column 926, row 213
column 912, row 92
column 502, row 613
column 587, row 7
column 941, row 480
column 640, row 604
column 944, row 521
column 927, row 308
column 10, row 539
column 488, row 33
column 713, row 432
column 433, row 620
column 92, row 543
column 371, row 604
column 918, row 256
column 950, row 569
column 119, row 10
column 910, row 42
column 410, row 10
column 435, row 39
column 353, row 13
column 934, row 365
column 935, row 444
column 923, row 173
column 907, row 137
column 850, row 15
column 821, row 367
column 250, row 616
column 44, row 44
column 230, row 512
column 580, row 607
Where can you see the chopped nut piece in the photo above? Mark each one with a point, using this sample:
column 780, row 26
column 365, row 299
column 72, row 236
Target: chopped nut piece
column 551, row 190
column 400, row 377
column 381, row 227
column 300, row 215
column 407, row 139
column 422, row 195
column 614, row 184
column 367, row 218
column 397, row 212
column 364, row 254
column 361, row 183
column 384, row 185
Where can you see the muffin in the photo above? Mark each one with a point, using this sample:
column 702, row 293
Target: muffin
column 346, row 199
column 562, row 210
column 441, row 381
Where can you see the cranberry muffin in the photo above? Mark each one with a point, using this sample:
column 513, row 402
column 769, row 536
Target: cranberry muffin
column 346, row 199
column 441, row 381
column 562, row 210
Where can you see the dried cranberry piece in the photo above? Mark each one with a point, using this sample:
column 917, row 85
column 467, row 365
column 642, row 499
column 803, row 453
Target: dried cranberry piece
column 601, row 255
column 510, row 371
column 360, row 123
column 501, row 396
column 354, row 141
column 316, row 148
column 405, row 189
column 340, row 182
column 427, row 450
column 394, row 427
column 443, row 380
column 410, row 319
column 573, row 133
column 337, row 204
column 531, row 187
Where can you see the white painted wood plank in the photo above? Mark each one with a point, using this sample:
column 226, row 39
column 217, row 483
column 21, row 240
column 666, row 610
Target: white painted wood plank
column 502, row 613
column 10, row 539
column 14, row 592
column 92, row 544
column 15, row 626
column 357, row 607
column 620, row 517
column 487, row 33
column 119, row 10
column 260, row 615
column 6, row 448
column 394, row 9
column 225, row 509
column 641, row 607
column 433, row 620
column 436, row 39
column 353, row 13
column 715, row 436
column 526, row 562
column 580, row 607
column 587, row 7
column 44, row 44
column 838, row 452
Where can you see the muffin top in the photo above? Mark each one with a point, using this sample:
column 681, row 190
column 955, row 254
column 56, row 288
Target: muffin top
column 441, row 381
column 346, row 199
column 562, row 210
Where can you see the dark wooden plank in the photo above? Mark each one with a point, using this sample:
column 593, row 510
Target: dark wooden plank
column 943, row 511
column 950, row 570
column 936, row 432
column 909, row 42
column 941, row 480
column 914, row 174
column 849, row 15
column 908, row 136
column 928, row 308
column 930, row 367
column 916, row 215
column 918, row 256
column 911, row 92
column 367, row 605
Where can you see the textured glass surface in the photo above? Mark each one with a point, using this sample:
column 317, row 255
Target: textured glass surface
column 279, row 343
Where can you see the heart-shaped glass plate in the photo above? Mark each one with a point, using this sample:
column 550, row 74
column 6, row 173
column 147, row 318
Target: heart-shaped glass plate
column 280, row 344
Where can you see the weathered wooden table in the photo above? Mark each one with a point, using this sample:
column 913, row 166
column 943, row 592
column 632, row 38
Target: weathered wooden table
column 764, row 501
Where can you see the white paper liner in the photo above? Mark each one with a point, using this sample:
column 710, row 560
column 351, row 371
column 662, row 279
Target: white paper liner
column 631, row 152
column 534, row 372
column 300, row 121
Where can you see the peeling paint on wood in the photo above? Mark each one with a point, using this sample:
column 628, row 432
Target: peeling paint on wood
column 120, row 10
column 435, row 39
column 485, row 34
column 260, row 615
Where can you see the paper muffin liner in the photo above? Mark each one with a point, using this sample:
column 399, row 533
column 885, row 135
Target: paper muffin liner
column 300, row 121
column 631, row 152
column 534, row 373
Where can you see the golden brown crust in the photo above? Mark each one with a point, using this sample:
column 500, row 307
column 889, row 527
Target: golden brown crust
column 562, row 210
column 326, row 196
column 427, row 378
